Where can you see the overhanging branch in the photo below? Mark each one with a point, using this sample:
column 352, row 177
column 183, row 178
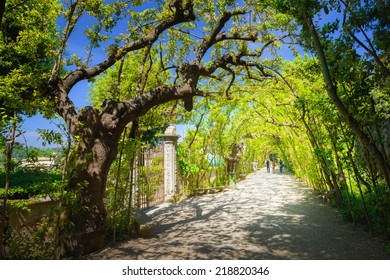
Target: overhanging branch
column 215, row 35
column 183, row 13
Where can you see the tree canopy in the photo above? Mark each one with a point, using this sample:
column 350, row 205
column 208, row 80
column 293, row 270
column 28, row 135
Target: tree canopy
column 220, row 60
column 27, row 46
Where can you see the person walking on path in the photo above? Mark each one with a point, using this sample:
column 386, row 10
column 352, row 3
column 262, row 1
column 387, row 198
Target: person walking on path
column 267, row 165
column 255, row 165
column 281, row 166
column 273, row 166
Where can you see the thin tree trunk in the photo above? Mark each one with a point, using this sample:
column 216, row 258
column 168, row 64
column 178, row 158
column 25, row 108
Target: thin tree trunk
column 364, row 206
column 347, row 117
column 2, row 10
column 57, row 248
column 358, row 179
column 342, row 174
column 117, row 180
column 200, row 176
column 328, row 173
column 132, row 136
column 9, row 149
column 131, row 194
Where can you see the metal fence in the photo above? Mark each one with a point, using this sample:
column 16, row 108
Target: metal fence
column 150, row 189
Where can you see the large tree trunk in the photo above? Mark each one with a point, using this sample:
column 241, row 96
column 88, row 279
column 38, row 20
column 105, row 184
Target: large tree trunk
column 96, row 135
column 83, row 220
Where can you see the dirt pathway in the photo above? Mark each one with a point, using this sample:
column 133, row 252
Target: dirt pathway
column 267, row 216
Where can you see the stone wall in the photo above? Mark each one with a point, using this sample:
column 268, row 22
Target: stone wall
column 31, row 214
column 28, row 224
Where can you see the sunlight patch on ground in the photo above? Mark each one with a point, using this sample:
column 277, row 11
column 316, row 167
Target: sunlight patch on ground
column 267, row 216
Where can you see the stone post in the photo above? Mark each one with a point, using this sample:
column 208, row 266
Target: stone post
column 170, row 142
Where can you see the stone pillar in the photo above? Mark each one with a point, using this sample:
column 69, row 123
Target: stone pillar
column 170, row 142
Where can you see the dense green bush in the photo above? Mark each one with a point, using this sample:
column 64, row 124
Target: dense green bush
column 27, row 183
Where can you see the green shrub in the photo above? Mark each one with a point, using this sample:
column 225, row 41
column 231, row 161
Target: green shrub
column 27, row 183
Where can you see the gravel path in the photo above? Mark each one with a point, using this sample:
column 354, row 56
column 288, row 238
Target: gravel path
column 267, row 216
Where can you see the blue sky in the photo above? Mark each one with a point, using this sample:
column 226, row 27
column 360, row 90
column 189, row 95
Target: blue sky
column 79, row 95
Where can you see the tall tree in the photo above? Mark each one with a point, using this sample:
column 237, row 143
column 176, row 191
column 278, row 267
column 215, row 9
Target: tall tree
column 350, row 40
column 27, row 41
column 173, row 27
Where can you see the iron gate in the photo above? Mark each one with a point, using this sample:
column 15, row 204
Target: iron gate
column 150, row 177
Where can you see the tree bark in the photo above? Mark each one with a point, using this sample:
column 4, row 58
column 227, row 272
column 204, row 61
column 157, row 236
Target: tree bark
column 83, row 204
column 96, row 136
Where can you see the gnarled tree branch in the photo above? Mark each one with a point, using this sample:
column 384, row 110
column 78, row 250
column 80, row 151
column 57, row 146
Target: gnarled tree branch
column 183, row 13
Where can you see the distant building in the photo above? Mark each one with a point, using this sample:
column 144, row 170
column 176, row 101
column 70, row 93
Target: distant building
column 41, row 162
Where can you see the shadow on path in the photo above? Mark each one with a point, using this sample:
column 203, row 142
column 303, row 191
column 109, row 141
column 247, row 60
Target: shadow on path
column 267, row 216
